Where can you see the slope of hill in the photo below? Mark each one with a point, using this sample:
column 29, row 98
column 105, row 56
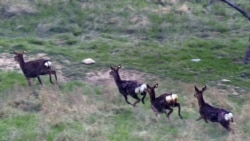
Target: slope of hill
column 153, row 43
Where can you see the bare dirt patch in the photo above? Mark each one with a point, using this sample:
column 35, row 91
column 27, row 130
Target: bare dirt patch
column 7, row 62
column 103, row 77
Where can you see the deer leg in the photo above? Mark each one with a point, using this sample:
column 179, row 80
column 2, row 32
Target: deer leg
column 50, row 72
column 126, row 99
column 201, row 117
column 227, row 126
column 205, row 119
column 28, row 80
column 54, row 72
column 155, row 112
column 39, row 79
column 170, row 111
column 50, row 79
column 137, row 100
column 179, row 109
column 143, row 97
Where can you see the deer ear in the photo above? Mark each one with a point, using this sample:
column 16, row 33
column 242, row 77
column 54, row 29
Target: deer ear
column 196, row 89
column 156, row 85
column 119, row 66
column 204, row 88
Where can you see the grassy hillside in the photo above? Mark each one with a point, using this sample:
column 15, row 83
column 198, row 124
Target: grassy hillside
column 153, row 43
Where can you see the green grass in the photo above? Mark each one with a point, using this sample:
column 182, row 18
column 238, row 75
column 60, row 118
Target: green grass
column 141, row 37
column 9, row 79
column 13, row 127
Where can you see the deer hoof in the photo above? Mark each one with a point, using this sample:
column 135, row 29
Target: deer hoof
column 134, row 105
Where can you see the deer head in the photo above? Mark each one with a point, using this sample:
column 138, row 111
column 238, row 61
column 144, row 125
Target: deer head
column 114, row 71
column 198, row 93
column 151, row 89
column 18, row 56
column 199, row 96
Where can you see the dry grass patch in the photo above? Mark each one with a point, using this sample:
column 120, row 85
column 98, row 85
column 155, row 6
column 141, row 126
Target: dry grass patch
column 18, row 101
column 7, row 62
column 58, row 107
column 17, row 7
column 92, row 111
column 172, row 6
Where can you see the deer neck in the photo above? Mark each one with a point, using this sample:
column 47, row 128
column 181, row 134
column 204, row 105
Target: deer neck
column 21, row 62
column 201, row 101
column 152, row 96
column 117, row 79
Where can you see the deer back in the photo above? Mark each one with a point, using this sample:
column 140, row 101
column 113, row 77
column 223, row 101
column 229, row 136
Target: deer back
column 36, row 67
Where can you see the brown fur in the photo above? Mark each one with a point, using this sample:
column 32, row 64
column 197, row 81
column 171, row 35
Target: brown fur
column 127, row 87
column 210, row 113
column 160, row 105
column 34, row 68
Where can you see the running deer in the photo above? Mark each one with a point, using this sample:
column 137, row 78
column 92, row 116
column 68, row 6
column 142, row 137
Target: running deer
column 128, row 87
column 34, row 68
column 163, row 102
column 213, row 114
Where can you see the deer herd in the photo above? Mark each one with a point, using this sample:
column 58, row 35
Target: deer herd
column 161, row 104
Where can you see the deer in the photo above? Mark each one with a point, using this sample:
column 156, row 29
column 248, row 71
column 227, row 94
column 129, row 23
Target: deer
column 163, row 102
column 211, row 113
column 128, row 87
column 34, row 68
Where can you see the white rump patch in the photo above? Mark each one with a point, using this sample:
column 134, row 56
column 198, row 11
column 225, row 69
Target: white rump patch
column 141, row 88
column 171, row 98
column 174, row 96
column 228, row 116
column 47, row 64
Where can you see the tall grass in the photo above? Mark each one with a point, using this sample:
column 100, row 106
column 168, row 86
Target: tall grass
column 50, row 113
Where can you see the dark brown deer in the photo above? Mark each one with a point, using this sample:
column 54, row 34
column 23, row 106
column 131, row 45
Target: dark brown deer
column 213, row 114
column 163, row 102
column 35, row 68
column 128, row 87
